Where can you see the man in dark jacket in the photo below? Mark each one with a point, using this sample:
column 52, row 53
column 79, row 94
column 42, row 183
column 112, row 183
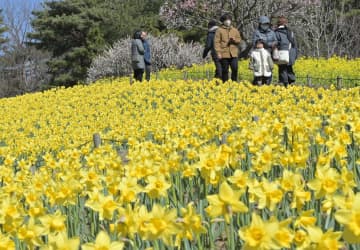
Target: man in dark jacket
column 147, row 55
column 209, row 46
column 286, row 41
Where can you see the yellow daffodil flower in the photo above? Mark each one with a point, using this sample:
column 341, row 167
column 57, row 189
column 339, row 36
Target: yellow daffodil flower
column 226, row 203
column 259, row 234
column 350, row 218
column 103, row 242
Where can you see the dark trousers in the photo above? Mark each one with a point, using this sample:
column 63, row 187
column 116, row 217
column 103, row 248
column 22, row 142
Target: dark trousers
column 138, row 74
column 261, row 80
column 286, row 74
column 225, row 63
column 147, row 71
column 218, row 70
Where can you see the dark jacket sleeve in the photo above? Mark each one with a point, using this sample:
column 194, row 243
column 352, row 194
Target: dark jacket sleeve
column 147, row 53
column 209, row 44
column 255, row 37
column 272, row 39
column 291, row 38
column 293, row 53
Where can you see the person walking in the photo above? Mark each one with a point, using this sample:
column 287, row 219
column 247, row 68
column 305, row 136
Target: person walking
column 147, row 55
column 267, row 35
column 261, row 63
column 226, row 41
column 209, row 46
column 137, row 56
column 286, row 41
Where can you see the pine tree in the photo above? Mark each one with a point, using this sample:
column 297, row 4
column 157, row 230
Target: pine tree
column 74, row 31
column 71, row 31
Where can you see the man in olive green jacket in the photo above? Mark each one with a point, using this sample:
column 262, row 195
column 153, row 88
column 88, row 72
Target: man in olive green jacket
column 227, row 39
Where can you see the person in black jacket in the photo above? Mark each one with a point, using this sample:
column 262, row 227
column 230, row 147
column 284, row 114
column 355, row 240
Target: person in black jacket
column 286, row 41
column 209, row 46
column 147, row 55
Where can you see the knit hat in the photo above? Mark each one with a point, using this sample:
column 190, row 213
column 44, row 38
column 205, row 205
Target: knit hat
column 263, row 20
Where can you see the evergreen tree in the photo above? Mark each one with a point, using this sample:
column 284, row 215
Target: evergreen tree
column 129, row 15
column 71, row 30
column 74, row 31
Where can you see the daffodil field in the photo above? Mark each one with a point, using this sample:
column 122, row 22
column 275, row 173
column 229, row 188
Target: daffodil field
column 321, row 72
column 181, row 165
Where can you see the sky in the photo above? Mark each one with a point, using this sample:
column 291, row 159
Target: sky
column 4, row 3
column 17, row 17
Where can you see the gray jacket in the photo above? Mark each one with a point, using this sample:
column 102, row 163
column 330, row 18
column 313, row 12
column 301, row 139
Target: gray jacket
column 286, row 37
column 268, row 36
column 137, row 54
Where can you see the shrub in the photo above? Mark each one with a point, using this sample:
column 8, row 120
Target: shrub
column 166, row 51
